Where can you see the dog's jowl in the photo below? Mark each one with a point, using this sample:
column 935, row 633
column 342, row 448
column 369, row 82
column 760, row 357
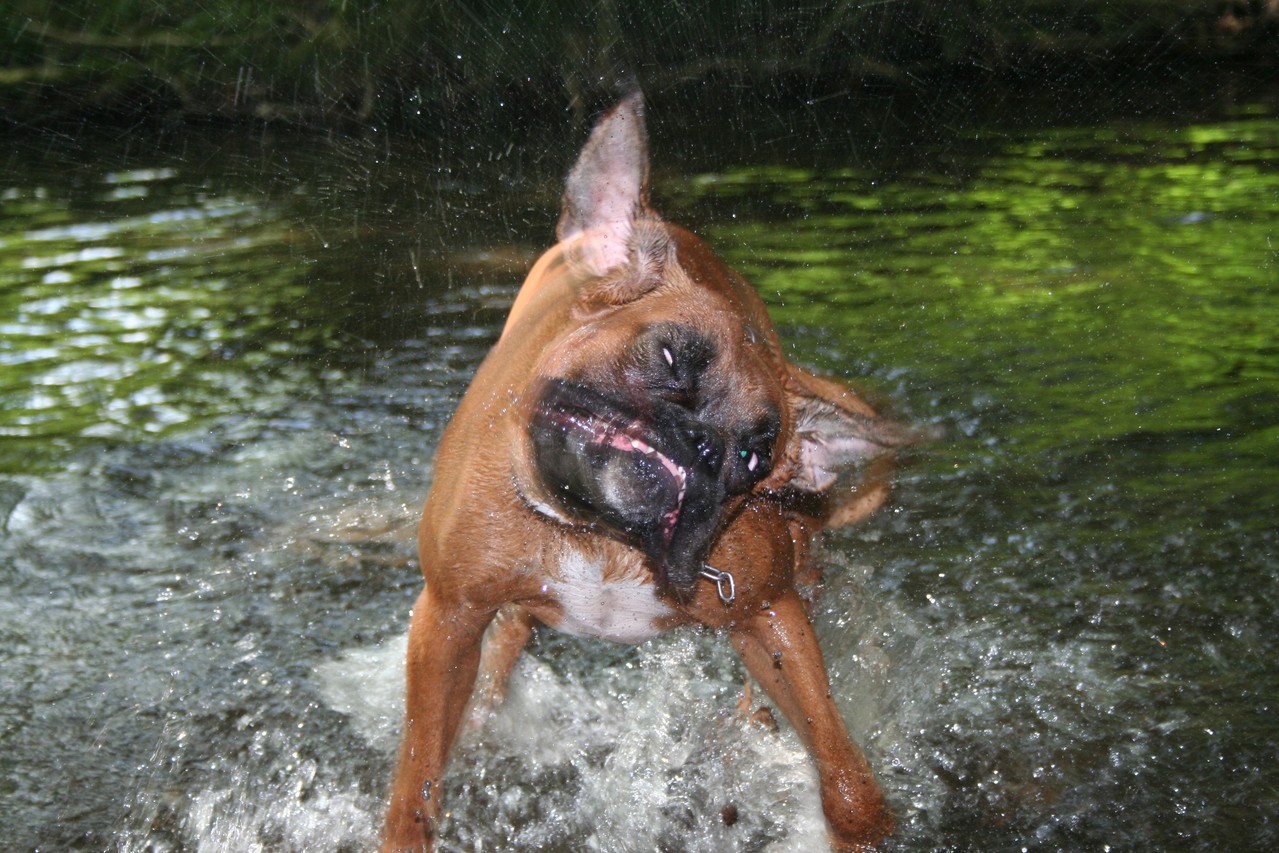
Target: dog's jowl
column 634, row 455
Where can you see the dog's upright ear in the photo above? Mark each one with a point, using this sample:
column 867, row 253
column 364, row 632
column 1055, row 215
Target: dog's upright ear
column 607, row 190
column 834, row 430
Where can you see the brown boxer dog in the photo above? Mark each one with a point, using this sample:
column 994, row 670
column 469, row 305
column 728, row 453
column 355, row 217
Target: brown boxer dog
column 635, row 454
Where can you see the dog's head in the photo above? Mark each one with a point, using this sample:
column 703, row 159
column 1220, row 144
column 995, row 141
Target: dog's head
column 668, row 400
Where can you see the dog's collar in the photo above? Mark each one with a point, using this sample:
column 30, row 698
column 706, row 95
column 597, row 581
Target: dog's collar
column 724, row 583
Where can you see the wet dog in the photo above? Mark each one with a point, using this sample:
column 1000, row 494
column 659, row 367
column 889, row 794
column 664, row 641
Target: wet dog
column 635, row 454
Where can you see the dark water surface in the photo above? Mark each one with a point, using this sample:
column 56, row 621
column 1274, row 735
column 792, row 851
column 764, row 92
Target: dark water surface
column 225, row 360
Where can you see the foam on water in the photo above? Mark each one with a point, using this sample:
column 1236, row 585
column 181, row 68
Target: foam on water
column 274, row 799
column 367, row 684
column 645, row 751
column 974, row 726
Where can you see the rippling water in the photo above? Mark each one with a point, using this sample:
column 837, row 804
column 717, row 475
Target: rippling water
column 224, row 365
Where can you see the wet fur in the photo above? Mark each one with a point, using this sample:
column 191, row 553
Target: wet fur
column 502, row 552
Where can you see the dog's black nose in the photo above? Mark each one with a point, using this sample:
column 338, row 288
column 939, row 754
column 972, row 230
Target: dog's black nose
column 708, row 446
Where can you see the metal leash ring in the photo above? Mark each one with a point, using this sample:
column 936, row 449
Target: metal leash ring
column 724, row 583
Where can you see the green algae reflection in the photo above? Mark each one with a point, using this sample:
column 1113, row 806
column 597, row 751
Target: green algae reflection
column 136, row 305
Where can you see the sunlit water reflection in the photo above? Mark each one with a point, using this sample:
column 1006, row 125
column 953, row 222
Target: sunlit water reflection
column 223, row 371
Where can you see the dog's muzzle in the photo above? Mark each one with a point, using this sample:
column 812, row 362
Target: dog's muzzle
column 651, row 474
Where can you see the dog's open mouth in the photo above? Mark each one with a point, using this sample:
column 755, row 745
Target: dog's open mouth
column 643, row 474
column 625, row 436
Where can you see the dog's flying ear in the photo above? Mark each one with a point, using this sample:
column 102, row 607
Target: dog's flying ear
column 834, row 430
column 607, row 190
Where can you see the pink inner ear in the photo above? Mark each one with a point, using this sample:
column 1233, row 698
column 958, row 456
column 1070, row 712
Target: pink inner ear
column 605, row 247
column 607, row 188
column 822, row 457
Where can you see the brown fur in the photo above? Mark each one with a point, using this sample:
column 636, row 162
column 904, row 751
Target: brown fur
column 496, row 555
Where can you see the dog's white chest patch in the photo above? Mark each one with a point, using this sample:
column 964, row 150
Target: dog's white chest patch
column 624, row 611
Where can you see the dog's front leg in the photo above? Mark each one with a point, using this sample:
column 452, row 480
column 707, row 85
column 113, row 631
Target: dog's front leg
column 781, row 652
column 504, row 642
column 442, row 660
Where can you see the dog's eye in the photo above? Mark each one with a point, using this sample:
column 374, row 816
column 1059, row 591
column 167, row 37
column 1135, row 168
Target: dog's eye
column 677, row 379
column 676, row 359
column 753, row 458
column 756, row 460
column 750, row 465
column 755, row 453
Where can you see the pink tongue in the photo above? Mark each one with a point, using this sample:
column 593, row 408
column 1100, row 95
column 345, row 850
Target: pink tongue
column 621, row 441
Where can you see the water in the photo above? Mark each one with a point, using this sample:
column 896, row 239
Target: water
column 224, row 363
